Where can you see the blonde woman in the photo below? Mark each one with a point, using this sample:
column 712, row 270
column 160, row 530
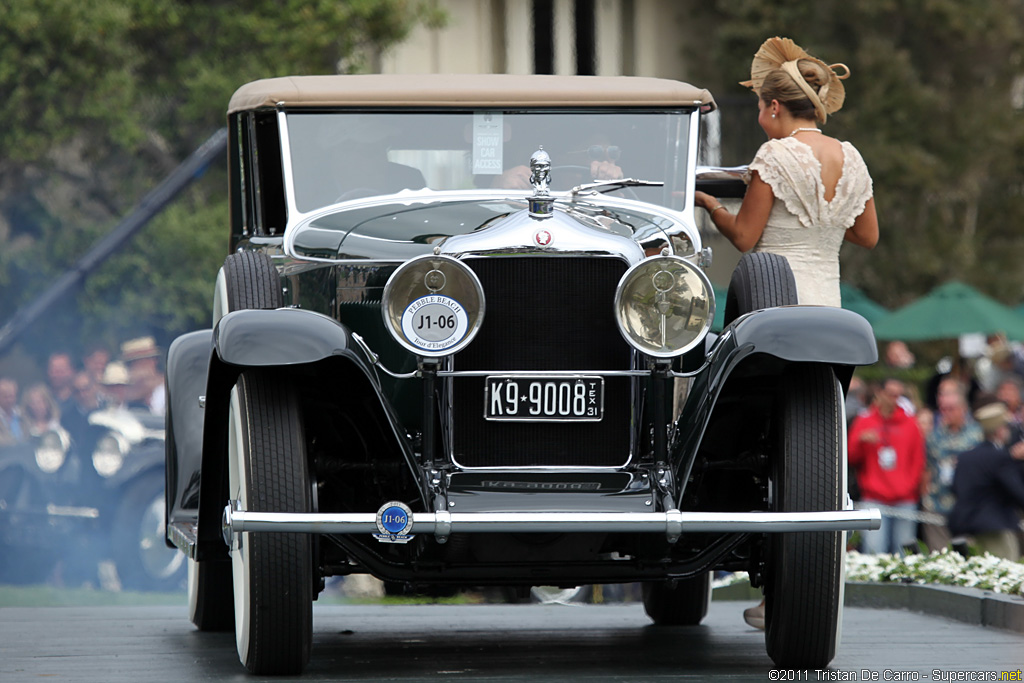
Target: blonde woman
column 807, row 192
column 39, row 411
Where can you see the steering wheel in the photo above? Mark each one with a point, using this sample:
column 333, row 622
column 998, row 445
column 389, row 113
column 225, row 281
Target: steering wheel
column 585, row 170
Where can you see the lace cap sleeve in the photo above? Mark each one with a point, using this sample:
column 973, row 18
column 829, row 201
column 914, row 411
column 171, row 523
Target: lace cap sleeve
column 791, row 178
column 854, row 190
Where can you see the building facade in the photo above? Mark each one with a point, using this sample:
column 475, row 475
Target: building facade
column 588, row 37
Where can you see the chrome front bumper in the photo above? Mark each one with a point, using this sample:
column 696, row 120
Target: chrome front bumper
column 672, row 523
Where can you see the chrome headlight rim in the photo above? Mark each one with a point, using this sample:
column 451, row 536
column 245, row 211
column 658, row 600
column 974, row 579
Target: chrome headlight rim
column 668, row 261
column 51, row 451
column 426, row 284
column 108, row 461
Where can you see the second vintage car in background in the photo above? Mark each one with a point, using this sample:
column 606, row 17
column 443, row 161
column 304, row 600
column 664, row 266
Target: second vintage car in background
column 89, row 500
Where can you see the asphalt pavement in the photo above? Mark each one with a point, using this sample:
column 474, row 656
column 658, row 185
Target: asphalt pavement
column 507, row 643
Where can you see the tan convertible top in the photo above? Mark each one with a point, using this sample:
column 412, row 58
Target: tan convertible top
column 446, row 90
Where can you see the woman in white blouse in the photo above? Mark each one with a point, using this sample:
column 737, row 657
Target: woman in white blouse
column 807, row 192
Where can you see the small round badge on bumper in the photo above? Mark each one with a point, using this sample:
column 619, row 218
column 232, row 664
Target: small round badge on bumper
column 394, row 520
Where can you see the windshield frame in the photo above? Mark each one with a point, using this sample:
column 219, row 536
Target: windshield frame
column 679, row 156
column 682, row 218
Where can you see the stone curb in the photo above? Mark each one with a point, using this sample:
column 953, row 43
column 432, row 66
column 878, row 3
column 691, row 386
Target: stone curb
column 969, row 605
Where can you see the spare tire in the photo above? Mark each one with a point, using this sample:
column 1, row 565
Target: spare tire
column 760, row 280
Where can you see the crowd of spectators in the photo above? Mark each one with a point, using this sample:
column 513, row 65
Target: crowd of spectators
column 946, row 468
column 74, row 390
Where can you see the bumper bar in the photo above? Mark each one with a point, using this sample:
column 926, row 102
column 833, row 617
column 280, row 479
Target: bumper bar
column 442, row 524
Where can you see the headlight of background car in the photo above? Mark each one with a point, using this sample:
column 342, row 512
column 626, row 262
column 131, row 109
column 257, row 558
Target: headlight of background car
column 51, row 451
column 664, row 306
column 433, row 305
column 108, row 456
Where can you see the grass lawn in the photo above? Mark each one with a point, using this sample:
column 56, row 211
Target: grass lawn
column 53, row 596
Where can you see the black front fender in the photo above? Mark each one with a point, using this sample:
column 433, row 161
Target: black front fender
column 807, row 334
column 286, row 336
column 765, row 342
column 314, row 345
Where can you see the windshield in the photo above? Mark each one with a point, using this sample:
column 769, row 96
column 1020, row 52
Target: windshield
column 339, row 156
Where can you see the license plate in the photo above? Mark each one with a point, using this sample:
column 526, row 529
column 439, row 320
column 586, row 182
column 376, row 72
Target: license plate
column 544, row 399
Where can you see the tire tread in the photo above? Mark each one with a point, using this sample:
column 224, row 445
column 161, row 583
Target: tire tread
column 760, row 280
column 281, row 575
column 252, row 282
column 803, row 586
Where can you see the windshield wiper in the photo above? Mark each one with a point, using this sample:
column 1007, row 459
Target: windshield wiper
column 603, row 186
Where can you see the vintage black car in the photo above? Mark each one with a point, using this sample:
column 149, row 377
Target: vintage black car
column 87, row 497
column 462, row 338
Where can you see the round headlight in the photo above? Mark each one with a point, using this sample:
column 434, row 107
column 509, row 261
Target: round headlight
column 50, row 452
column 108, row 456
column 433, row 305
column 664, row 306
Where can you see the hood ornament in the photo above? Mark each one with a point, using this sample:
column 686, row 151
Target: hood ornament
column 540, row 175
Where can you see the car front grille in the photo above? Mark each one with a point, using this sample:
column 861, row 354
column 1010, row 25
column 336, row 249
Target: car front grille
column 543, row 314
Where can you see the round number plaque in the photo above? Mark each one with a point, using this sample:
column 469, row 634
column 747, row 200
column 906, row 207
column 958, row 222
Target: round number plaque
column 434, row 322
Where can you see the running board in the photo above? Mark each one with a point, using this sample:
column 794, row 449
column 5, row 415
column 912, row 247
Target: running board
column 672, row 523
column 183, row 536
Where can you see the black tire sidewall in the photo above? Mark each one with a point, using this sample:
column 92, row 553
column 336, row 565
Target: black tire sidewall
column 280, row 569
column 805, row 569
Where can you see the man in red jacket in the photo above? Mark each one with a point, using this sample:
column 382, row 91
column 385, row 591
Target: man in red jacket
column 887, row 451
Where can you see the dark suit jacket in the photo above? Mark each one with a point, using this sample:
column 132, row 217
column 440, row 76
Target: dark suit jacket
column 989, row 488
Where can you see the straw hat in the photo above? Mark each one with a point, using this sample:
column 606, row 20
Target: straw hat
column 139, row 348
column 783, row 53
column 999, row 350
column 992, row 416
column 115, row 374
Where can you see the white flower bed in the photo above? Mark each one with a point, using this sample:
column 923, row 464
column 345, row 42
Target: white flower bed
column 942, row 568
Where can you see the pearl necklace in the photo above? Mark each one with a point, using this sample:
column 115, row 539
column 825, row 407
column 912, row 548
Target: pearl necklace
column 804, row 130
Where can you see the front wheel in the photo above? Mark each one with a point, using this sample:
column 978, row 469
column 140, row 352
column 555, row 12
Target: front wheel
column 144, row 562
column 804, row 573
column 683, row 602
column 271, row 571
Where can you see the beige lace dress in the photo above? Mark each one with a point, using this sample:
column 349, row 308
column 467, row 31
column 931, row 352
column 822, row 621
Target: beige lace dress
column 802, row 226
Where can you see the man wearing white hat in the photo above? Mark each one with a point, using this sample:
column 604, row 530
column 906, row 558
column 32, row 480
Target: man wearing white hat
column 142, row 357
column 989, row 487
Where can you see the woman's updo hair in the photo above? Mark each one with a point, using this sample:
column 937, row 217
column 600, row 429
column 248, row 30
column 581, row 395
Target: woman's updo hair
column 809, row 88
column 779, row 85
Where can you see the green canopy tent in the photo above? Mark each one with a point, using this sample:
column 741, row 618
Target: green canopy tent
column 857, row 301
column 853, row 300
column 947, row 312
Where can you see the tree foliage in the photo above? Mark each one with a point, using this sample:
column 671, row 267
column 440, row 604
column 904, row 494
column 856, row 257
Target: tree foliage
column 103, row 99
column 934, row 105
